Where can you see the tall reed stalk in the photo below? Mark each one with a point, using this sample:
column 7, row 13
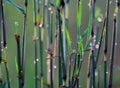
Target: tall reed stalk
column 0, row 42
column 4, row 43
column 6, row 67
column 0, row 31
column 100, row 43
column 23, row 59
column 93, row 34
column 106, row 44
column 3, row 25
column 114, row 39
column 35, row 39
column 62, row 68
column 113, row 56
column 51, row 51
column 40, row 29
column 20, row 72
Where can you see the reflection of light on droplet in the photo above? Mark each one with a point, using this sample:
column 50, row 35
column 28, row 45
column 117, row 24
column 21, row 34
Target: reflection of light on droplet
column 2, row 50
column 40, row 25
column 51, row 12
column 54, row 67
column 110, row 2
column 37, row 59
column 114, row 14
column 62, row 29
column 74, row 51
column 49, row 70
column 96, row 73
column 98, row 42
column 1, row 41
column 90, row 44
column 94, row 36
column 89, row 5
column 99, row 19
column 106, row 72
column 16, row 23
column 45, row 4
column 6, row 47
column 116, row 44
column 78, row 77
column 97, row 46
column 49, row 8
column 34, row 62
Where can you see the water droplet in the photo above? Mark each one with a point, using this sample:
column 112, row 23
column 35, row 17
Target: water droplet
column 16, row 23
column 34, row 62
column 97, row 46
column 40, row 25
column 89, row 5
column 94, row 36
column 94, row 40
column 37, row 59
column 99, row 19
column 2, row 50
column 6, row 47
column 106, row 72
column 91, row 44
column 96, row 73
column 116, row 44
column 51, row 12
column 49, row 8
column 110, row 2
column 55, row 67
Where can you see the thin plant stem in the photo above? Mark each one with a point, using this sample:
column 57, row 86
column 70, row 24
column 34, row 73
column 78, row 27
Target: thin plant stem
column 99, row 75
column 93, row 45
column 113, row 55
column 51, row 54
column 24, row 38
column 59, row 48
column 100, row 43
column 4, row 41
column 40, row 45
column 3, row 24
column 106, row 43
column 36, row 64
column 6, row 68
column 20, row 73
column 35, row 39
column 0, row 31
column 88, row 71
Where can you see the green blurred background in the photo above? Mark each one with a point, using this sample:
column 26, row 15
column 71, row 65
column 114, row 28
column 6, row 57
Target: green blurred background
column 12, row 15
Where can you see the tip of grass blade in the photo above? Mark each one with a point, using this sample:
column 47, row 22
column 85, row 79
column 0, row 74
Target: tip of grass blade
column 16, row 27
